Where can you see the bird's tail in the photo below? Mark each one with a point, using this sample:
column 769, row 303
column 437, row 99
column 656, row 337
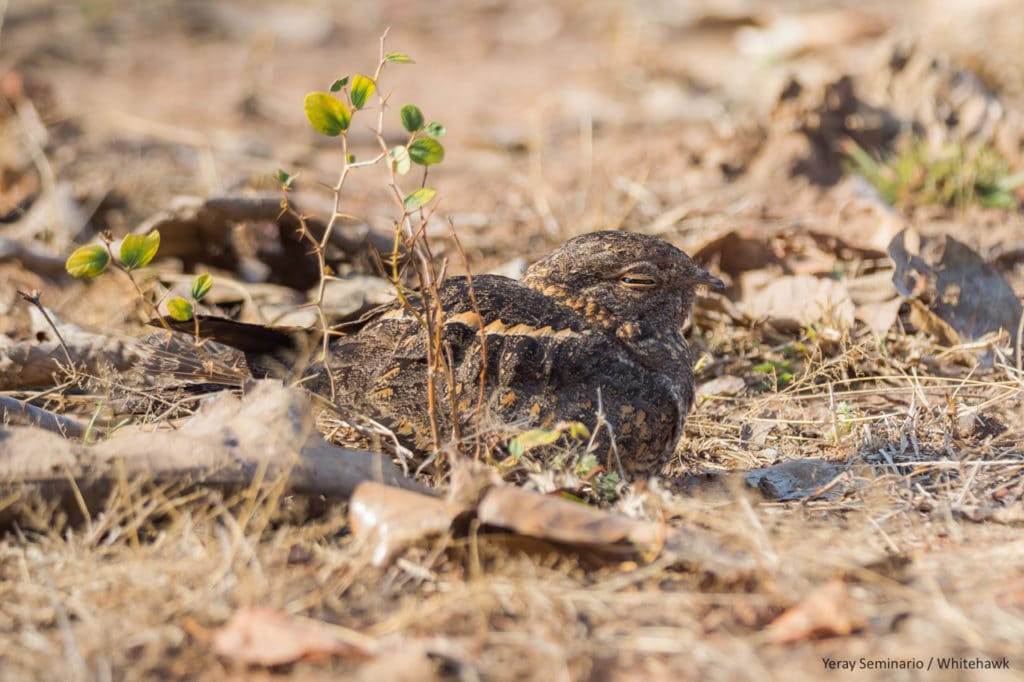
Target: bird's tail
column 269, row 351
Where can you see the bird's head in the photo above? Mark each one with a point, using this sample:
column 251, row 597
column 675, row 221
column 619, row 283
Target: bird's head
column 634, row 285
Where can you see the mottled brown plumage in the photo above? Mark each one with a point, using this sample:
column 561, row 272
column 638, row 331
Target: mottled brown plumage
column 594, row 324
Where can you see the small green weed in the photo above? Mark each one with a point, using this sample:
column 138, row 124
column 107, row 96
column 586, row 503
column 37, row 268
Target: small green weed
column 916, row 174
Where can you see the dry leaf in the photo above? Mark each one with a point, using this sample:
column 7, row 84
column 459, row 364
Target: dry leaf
column 879, row 317
column 559, row 520
column 391, row 518
column 264, row 636
column 828, row 611
column 957, row 295
column 801, row 301
column 793, row 480
column 726, row 384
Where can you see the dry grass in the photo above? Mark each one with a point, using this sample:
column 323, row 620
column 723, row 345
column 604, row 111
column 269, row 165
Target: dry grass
column 134, row 592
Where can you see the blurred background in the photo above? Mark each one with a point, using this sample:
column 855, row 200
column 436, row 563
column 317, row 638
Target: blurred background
column 687, row 119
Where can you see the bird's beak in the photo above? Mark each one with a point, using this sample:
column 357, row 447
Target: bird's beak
column 705, row 277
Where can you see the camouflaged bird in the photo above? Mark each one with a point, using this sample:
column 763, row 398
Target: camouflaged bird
column 594, row 325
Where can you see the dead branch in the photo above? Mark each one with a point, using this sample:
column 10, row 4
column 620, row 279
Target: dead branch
column 29, row 364
column 229, row 444
column 13, row 410
column 35, row 260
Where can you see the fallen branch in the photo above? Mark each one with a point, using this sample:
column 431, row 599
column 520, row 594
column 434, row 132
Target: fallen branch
column 29, row 364
column 231, row 443
column 12, row 410
column 35, row 260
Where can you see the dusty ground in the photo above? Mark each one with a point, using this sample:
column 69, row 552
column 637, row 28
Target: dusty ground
column 680, row 119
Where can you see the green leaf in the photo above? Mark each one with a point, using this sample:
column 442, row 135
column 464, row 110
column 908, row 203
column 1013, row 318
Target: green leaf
column 87, row 261
column 284, row 178
column 201, row 286
column 137, row 250
column 180, row 309
column 531, row 439
column 339, row 84
column 421, row 196
column 577, row 430
column 426, row 151
column 400, row 159
column 412, row 118
column 436, row 129
column 398, row 58
column 362, row 88
column 327, row 114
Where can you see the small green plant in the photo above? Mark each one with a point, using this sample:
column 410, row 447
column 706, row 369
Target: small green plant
column 534, row 438
column 137, row 251
column 606, row 486
column 778, row 374
column 182, row 309
column 916, row 174
column 333, row 113
column 844, row 421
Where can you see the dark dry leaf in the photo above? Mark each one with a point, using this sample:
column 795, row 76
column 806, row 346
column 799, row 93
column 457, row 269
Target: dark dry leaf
column 953, row 284
column 794, row 480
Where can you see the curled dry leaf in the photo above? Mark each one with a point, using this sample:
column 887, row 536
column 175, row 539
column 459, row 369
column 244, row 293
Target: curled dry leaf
column 264, row 636
column 828, row 611
column 559, row 520
column 955, row 295
column 390, row 518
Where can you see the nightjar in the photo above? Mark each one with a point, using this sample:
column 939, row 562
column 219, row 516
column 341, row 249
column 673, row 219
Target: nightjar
column 591, row 333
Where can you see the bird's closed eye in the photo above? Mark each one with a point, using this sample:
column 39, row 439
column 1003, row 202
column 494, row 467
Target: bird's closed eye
column 638, row 281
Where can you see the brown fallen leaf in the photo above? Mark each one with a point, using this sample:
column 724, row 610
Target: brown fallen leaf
column 879, row 317
column 560, row 520
column 265, row 636
column 391, row 519
column 829, row 610
column 727, row 384
column 801, row 301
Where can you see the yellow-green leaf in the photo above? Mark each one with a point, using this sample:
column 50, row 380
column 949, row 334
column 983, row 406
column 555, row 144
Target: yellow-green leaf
column 362, row 88
column 398, row 58
column 179, row 309
column 531, row 439
column 418, row 198
column 426, row 151
column 137, row 250
column 577, row 430
column 327, row 114
column 412, row 117
column 400, row 159
column 436, row 129
column 87, row 261
column 201, row 286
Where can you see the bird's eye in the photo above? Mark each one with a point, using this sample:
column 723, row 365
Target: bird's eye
column 637, row 281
